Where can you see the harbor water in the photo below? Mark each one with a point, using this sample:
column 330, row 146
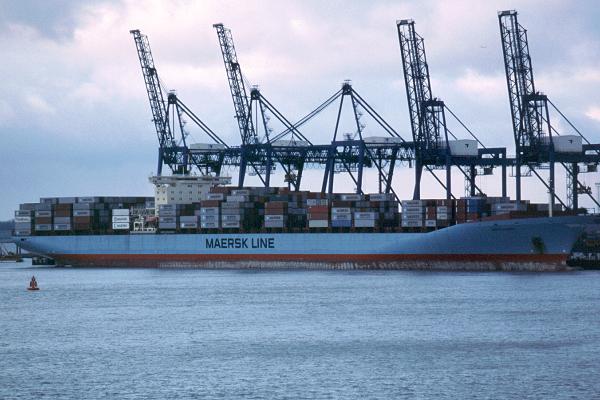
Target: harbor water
column 186, row 333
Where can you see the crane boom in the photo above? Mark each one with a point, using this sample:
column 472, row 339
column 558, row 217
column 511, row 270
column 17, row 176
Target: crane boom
column 237, row 87
column 427, row 117
column 155, row 96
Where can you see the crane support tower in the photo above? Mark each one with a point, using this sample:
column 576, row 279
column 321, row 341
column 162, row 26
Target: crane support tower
column 537, row 142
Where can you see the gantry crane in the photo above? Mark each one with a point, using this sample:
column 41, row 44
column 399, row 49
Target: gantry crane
column 535, row 137
column 428, row 121
column 169, row 116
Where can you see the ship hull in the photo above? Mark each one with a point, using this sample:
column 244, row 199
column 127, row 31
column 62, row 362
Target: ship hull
column 524, row 244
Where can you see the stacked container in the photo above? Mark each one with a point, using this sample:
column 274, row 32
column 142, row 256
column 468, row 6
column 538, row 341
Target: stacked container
column 413, row 213
column 318, row 216
column 62, row 214
column 341, row 215
column 276, row 214
column 210, row 216
column 231, row 214
column 365, row 219
column 120, row 219
column 23, row 222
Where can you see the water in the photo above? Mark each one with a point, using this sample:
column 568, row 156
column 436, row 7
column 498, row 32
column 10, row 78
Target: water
column 158, row 334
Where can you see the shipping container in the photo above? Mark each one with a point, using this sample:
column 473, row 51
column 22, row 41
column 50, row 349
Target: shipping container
column 62, row 227
column 274, row 218
column 365, row 215
column 209, row 218
column 318, row 223
column 364, row 223
column 82, row 213
column 412, row 223
column 120, row 211
column 341, row 217
column 120, row 225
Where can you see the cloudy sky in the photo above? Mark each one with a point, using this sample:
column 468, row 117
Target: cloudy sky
column 74, row 117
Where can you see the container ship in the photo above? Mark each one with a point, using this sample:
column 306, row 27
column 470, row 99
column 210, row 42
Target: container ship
column 189, row 223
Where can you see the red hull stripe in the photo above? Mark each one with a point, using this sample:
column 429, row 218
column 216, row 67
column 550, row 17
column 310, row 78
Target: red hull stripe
column 329, row 258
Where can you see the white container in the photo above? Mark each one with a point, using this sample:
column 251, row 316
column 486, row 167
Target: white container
column 214, row 196
column 318, row 223
column 274, row 224
column 43, row 227
column 209, row 211
column 209, row 218
column 83, row 213
column 231, row 218
column 120, row 225
column 412, row 217
column 442, row 209
column 168, row 220
column 413, row 209
column 381, row 197
column 341, row 217
column 188, row 218
column 442, row 216
column 188, row 225
column 230, row 224
column 365, row 215
column 167, row 213
column 364, row 223
column 62, row 227
column 62, row 220
column 23, row 232
column 412, row 203
column 22, row 219
column 120, row 211
column 272, row 218
column 317, row 202
column 341, row 210
column 567, row 143
column 240, row 192
column 463, row 147
column 43, row 213
column 412, row 224
column 430, row 223
column 209, row 225
column 237, row 198
column 120, row 218
column 351, row 197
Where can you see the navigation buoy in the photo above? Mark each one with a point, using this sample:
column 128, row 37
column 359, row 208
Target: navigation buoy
column 33, row 284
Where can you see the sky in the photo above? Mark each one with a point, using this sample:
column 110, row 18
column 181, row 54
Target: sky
column 75, row 119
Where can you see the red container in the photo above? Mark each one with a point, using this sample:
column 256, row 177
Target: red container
column 319, row 216
column 210, row 203
column 62, row 213
column 220, row 189
column 43, row 220
column 318, row 209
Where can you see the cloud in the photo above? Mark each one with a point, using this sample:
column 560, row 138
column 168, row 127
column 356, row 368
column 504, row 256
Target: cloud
column 74, row 82
column 488, row 87
column 593, row 113
column 37, row 104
